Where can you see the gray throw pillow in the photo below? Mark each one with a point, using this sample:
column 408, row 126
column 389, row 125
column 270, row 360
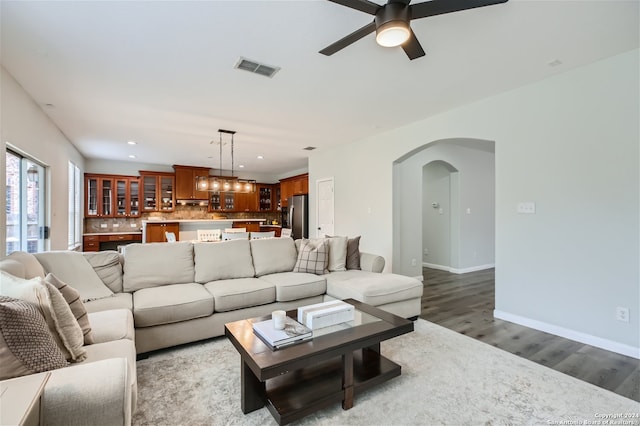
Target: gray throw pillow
column 353, row 253
column 26, row 345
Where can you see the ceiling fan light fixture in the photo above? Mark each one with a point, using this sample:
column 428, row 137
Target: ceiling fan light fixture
column 393, row 33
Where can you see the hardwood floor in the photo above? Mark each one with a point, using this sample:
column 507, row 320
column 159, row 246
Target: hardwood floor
column 465, row 303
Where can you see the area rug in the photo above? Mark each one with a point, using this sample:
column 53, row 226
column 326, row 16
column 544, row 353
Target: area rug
column 447, row 379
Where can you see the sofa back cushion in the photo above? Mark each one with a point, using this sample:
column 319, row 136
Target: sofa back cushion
column 32, row 268
column 108, row 267
column 223, row 260
column 155, row 264
column 272, row 255
column 74, row 269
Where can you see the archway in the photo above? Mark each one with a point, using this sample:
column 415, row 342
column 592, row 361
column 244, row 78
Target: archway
column 472, row 209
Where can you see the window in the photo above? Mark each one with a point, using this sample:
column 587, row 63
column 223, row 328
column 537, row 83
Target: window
column 75, row 219
column 25, row 182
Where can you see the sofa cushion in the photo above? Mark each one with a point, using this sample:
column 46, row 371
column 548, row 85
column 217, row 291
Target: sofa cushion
column 240, row 293
column 313, row 257
column 108, row 267
column 295, row 285
column 114, row 324
column 271, row 255
column 156, row 264
column 171, row 303
column 72, row 297
column 222, row 260
column 372, row 288
column 32, row 267
column 26, row 345
column 72, row 268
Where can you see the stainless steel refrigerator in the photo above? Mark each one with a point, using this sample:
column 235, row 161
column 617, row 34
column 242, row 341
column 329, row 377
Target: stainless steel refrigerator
column 297, row 217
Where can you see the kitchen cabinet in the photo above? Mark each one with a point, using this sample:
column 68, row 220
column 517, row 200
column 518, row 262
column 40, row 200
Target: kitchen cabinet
column 186, row 183
column 250, row 226
column 294, row 185
column 111, row 195
column 90, row 243
column 109, row 241
column 127, row 196
column 155, row 232
column 222, row 202
column 98, row 195
column 266, row 197
column 246, row 201
column 158, row 193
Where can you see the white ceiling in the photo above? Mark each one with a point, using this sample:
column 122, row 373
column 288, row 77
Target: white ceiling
column 161, row 73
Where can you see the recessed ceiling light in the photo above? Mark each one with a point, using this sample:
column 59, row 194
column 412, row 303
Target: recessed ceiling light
column 50, row 106
column 309, row 148
column 260, row 157
column 132, row 156
column 132, row 143
column 241, row 166
column 555, row 63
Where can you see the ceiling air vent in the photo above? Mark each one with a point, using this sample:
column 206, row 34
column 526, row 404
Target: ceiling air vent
column 256, row 67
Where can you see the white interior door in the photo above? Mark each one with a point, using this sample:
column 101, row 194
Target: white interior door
column 324, row 189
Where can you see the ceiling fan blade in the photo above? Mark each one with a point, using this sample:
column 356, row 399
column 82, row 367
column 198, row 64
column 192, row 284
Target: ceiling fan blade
column 361, row 5
column 351, row 38
column 438, row 7
column 412, row 47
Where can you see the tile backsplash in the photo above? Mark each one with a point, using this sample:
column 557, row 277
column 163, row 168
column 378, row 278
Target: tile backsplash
column 96, row 225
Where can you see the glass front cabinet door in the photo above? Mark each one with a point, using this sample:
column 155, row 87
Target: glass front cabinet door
column 99, row 195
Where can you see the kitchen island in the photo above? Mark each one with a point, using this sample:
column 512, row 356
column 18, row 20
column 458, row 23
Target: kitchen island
column 187, row 229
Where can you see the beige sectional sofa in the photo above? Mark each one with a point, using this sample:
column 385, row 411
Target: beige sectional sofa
column 174, row 293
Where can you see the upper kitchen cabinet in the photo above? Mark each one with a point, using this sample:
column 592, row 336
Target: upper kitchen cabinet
column 158, row 191
column 295, row 185
column 99, row 195
column 127, row 196
column 111, row 195
column 186, row 183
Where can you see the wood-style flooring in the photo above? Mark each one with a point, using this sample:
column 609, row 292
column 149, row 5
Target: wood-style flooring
column 465, row 303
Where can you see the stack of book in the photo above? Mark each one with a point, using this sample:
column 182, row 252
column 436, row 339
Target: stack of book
column 293, row 333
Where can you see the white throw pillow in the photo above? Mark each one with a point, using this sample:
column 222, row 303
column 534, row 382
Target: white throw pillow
column 337, row 254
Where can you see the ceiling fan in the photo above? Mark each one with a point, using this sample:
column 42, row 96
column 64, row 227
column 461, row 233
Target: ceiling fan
column 391, row 22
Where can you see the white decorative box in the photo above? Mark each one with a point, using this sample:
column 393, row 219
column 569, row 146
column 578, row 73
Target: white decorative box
column 325, row 314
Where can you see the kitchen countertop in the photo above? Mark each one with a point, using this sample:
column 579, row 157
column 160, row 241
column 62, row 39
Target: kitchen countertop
column 202, row 220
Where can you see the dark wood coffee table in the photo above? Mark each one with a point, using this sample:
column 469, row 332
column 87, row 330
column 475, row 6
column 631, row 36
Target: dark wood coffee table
column 337, row 364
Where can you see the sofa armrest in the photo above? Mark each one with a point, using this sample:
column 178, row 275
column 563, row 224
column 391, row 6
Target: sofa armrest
column 95, row 392
column 371, row 262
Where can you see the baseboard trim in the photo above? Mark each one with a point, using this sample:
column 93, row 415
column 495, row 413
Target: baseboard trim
column 458, row 270
column 419, row 278
column 577, row 336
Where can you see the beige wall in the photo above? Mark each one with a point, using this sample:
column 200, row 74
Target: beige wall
column 25, row 126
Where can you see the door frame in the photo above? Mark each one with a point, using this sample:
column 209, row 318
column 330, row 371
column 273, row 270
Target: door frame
column 333, row 195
